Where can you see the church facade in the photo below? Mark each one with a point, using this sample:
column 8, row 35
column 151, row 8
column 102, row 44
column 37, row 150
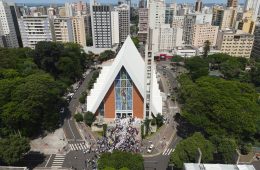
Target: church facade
column 120, row 88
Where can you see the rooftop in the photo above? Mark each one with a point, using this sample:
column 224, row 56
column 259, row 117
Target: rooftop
column 196, row 166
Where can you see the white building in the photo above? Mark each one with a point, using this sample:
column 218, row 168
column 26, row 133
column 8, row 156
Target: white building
column 168, row 38
column 101, row 26
column 119, row 91
column 186, row 51
column 8, row 28
column 115, row 27
column 254, row 6
column 63, row 29
column 69, row 9
column 156, row 13
column 189, row 21
column 124, row 22
column 34, row 29
column 196, row 166
column 177, row 22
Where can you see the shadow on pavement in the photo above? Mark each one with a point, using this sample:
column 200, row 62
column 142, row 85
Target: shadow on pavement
column 32, row 159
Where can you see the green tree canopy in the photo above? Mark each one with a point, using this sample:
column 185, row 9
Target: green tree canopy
column 187, row 150
column 13, row 148
column 221, row 107
column 107, row 55
column 89, row 118
column 197, row 67
column 119, row 159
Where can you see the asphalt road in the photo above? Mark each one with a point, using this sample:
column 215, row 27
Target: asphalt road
column 69, row 126
column 161, row 161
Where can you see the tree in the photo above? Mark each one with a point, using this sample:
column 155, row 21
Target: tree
column 119, row 159
column 177, row 58
column 89, row 118
column 221, row 107
column 197, row 67
column 13, row 148
column 246, row 148
column 78, row 117
column 227, row 150
column 82, row 98
column 206, row 48
column 107, row 55
column 159, row 120
column 187, row 150
column 136, row 42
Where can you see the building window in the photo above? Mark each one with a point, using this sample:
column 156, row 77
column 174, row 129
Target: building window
column 123, row 94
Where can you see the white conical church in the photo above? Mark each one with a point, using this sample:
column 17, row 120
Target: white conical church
column 120, row 88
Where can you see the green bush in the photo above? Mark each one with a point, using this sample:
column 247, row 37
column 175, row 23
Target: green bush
column 246, row 148
column 153, row 122
column 82, row 98
column 78, row 117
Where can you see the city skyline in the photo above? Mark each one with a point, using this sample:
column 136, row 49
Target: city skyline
column 114, row 1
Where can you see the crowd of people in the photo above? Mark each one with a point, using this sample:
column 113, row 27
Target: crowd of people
column 123, row 136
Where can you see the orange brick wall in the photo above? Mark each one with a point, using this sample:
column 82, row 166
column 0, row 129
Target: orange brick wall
column 138, row 104
column 109, row 103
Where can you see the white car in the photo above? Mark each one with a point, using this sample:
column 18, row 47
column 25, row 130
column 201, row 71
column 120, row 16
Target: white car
column 149, row 150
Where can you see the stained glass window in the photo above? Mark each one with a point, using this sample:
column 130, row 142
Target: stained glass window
column 123, row 92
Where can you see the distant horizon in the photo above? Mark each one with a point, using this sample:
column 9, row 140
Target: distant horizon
column 115, row 1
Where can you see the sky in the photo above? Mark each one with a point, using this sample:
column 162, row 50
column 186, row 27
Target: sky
column 114, row 1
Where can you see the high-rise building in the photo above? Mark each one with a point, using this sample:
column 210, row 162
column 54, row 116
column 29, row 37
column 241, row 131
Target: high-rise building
column 79, row 32
column 34, row 29
column 115, row 27
column 1, row 36
column 177, row 22
column 224, row 18
column 8, row 25
column 246, row 23
column 156, row 13
column 62, row 11
column 101, row 26
column 88, row 28
column 170, row 12
column 189, row 21
column 143, row 24
column 80, row 8
column 69, row 10
column 204, row 32
column 63, row 29
column 124, row 22
column 253, row 5
column 256, row 47
column 235, row 43
column 232, row 3
column 198, row 6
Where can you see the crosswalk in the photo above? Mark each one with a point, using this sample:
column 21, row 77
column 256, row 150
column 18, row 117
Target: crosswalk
column 58, row 161
column 168, row 151
column 78, row 146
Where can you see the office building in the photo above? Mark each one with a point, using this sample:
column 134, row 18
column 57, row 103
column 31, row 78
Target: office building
column 88, row 28
column 120, row 88
column 254, row 6
column 198, row 6
column 124, row 22
column 232, row 3
column 225, row 18
column 235, row 43
column 79, row 32
column 7, row 16
column 63, row 29
column 35, row 29
column 204, row 32
column 101, row 26
column 189, row 21
column 143, row 24
column 256, row 47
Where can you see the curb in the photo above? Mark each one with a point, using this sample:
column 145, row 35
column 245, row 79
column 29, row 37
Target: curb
column 147, row 156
